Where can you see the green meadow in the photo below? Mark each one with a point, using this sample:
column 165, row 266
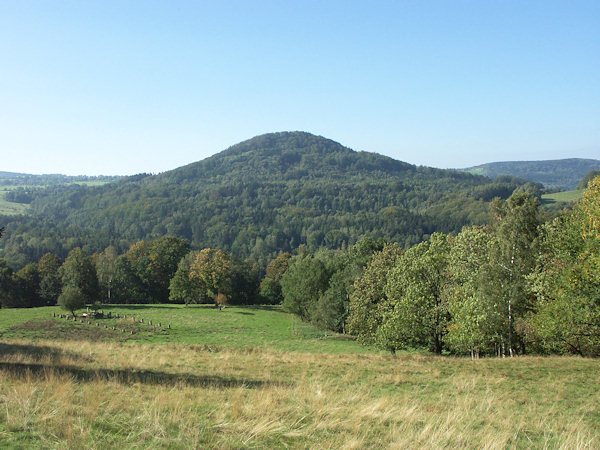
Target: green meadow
column 235, row 327
column 10, row 208
column 563, row 196
column 255, row 377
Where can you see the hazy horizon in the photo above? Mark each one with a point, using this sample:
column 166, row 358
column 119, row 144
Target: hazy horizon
column 191, row 162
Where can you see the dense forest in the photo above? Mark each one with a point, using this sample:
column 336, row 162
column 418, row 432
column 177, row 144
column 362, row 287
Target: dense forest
column 269, row 194
column 559, row 174
column 518, row 284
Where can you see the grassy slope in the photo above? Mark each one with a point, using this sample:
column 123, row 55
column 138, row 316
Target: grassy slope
column 251, row 392
column 10, row 208
column 563, row 196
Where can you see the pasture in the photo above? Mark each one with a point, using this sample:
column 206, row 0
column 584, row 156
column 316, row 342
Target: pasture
column 253, row 377
column 10, row 208
column 563, row 197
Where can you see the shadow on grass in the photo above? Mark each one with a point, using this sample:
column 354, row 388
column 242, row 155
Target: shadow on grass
column 244, row 313
column 129, row 376
column 274, row 308
column 36, row 351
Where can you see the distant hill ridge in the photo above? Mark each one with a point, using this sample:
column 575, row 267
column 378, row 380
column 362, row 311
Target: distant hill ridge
column 257, row 198
column 561, row 174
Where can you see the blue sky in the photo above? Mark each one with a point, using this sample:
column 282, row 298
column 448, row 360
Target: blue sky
column 125, row 87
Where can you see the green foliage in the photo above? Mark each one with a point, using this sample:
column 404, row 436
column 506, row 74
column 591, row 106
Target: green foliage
column 333, row 307
column 270, row 286
column 72, row 298
column 27, row 281
column 477, row 319
column 585, row 181
column 368, row 297
column 245, row 282
column 138, row 261
column 20, row 289
column 566, row 282
column 127, row 287
column 50, row 282
column 515, row 226
column 106, row 270
column 417, row 314
column 8, row 290
column 6, row 274
column 79, row 271
column 270, row 291
column 164, row 255
column 183, row 288
column 302, row 284
column 212, row 269
column 143, row 274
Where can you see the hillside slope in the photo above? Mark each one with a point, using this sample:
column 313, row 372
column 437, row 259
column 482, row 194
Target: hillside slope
column 562, row 174
column 270, row 193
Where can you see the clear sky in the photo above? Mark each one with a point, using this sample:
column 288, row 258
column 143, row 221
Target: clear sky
column 122, row 87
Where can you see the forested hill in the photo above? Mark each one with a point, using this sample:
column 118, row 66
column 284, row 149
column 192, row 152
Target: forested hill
column 562, row 174
column 270, row 193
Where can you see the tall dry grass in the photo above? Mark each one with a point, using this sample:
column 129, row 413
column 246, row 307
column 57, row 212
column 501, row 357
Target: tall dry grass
column 111, row 395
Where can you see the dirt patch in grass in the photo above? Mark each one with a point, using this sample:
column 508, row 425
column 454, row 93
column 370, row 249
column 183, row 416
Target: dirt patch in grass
column 66, row 330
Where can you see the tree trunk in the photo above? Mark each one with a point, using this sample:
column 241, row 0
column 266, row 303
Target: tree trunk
column 438, row 344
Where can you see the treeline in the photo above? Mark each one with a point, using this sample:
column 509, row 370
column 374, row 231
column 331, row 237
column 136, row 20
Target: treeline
column 514, row 286
column 148, row 272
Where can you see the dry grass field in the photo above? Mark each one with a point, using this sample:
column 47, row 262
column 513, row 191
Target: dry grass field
column 102, row 393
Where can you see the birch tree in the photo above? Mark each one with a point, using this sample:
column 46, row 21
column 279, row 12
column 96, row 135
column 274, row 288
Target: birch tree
column 515, row 226
column 106, row 269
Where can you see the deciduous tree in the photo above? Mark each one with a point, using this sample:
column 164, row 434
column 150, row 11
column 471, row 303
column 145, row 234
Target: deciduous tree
column 515, row 226
column 72, row 298
column 270, row 286
column 302, row 284
column 106, row 270
column 477, row 321
column 212, row 268
column 566, row 281
column 184, row 288
column 164, row 255
column 50, row 282
column 368, row 296
column 418, row 315
column 78, row 271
